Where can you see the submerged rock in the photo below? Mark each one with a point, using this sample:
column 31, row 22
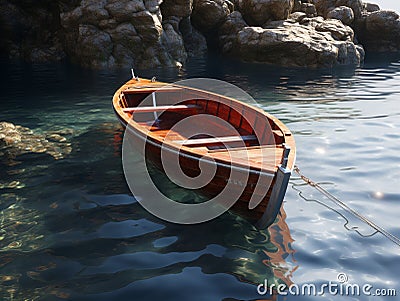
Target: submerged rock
column 16, row 140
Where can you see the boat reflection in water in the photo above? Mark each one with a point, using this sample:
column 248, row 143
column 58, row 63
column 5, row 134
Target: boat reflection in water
column 108, row 247
column 273, row 258
column 252, row 255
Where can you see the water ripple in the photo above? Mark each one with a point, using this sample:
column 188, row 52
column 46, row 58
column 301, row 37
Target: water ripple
column 71, row 229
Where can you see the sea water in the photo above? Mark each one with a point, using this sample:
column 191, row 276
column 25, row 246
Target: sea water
column 71, row 229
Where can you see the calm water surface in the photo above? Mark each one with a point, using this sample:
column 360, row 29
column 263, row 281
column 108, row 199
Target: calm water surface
column 70, row 229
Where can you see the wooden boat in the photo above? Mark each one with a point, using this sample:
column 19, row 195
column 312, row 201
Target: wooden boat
column 250, row 141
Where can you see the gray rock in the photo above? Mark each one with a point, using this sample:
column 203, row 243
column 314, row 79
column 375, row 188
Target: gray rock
column 123, row 10
column 148, row 26
column 350, row 54
column 381, row 31
column 126, row 35
column 93, row 13
column 371, row 7
column 173, row 41
column 382, row 19
column 126, row 32
column 176, row 8
column 342, row 13
column 71, row 18
column 209, row 14
column 356, row 5
column 297, row 6
column 99, row 3
column 123, row 32
column 108, row 24
column 309, row 9
column 297, row 16
column 125, row 56
column 152, row 6
column 195, row 42
column 148, row 33
column 42, row 55
column 229, row 30
column 258, row 12
column 233, row 24
column 153, row 57
column 314, row 43
column 338, row 30
column 324, row 6
column 94, row 47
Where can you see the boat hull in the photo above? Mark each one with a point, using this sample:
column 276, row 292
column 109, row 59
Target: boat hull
column 257, row 192
column 269, row 200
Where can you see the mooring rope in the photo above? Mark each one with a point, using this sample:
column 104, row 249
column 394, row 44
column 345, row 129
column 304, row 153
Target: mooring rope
column 344, row 206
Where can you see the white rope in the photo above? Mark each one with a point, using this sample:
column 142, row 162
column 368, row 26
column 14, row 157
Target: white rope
column 345, row 207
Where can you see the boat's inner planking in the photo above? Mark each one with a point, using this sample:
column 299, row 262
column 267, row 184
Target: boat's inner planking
column 252, row 129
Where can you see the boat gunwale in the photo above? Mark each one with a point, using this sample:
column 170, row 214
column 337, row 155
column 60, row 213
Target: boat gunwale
column 193, row 152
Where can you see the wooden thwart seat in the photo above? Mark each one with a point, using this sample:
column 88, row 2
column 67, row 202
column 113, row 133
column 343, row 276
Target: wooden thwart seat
column 150, row 109
column 247, row 148
column 150, row 89
column 215, row 140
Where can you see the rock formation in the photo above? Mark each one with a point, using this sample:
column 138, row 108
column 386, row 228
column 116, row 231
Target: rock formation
column 29, row 30
column 110, row 33
column 299, row 41
column 148, row 33
column 101, row 33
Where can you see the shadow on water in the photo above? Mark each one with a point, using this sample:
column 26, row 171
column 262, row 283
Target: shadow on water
column 72, row 230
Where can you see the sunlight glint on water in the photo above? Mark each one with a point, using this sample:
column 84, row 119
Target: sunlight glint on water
column 71, row 230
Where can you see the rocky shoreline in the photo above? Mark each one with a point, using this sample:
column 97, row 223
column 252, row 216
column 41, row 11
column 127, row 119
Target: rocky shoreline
column 149, row 33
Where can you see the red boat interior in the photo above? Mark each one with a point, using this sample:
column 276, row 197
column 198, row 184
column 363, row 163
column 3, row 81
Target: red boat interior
column 236, row 125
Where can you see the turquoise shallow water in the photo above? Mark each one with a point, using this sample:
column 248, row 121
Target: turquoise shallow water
column 70, row 228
